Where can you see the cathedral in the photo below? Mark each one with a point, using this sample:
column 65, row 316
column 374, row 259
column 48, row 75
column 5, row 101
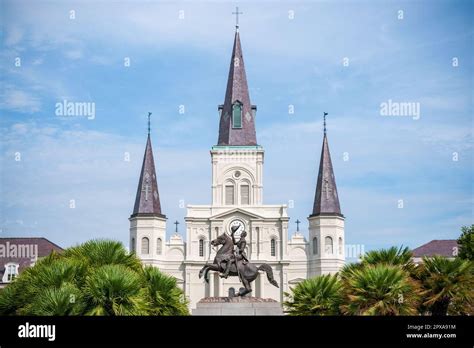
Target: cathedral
column 237, row 200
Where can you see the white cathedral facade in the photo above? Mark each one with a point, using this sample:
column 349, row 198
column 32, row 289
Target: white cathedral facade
column 237, row 163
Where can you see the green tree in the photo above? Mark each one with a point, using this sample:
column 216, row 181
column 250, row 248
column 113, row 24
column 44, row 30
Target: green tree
column 392, row 256
column 466, row 243
column 447, row 284
column 380, row 289
column 164, row 295
column 98, row 277
column 315, row 296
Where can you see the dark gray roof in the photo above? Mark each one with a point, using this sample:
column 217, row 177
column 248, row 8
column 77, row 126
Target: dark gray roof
column 147, row 201
column 444, row 247
column 237, row 90
column 326, row 200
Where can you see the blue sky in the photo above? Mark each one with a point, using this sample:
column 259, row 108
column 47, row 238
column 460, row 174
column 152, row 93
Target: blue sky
column 184, row 61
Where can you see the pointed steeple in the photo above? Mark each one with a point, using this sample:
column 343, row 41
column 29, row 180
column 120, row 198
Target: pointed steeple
column 326, row 200
column 147, row 201
column 237, row 114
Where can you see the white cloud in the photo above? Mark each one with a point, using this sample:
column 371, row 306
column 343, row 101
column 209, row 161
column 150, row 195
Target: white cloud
column 37, row 61
column 13, row 35
column 73, row 54
column 14, row 99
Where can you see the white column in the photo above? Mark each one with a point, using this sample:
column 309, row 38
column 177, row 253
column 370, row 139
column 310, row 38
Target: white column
column 257, row 232
column 211, row 284
column 221, row 287
column 215, row 195
column 188, row 285
column 261, row 280
column 259, row 182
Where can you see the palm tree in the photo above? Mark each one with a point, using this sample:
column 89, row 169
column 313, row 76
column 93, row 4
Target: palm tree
column 165, row 297
column 320, row 295
column 9, row 302
column 99, row 252
column 65, row 300
column 114, row 290
column 380, row 290
column 346, row 272
column 392, row 256
column 446, row 283
column 98, row 277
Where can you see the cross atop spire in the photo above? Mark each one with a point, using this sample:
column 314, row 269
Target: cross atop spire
column 237, row 18
column 324, row 117
column 149, row 114
column 298, row 225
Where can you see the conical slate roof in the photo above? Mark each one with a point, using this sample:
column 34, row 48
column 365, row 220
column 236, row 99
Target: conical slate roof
column 147, row 201
column 326, row 200
column 237, row 91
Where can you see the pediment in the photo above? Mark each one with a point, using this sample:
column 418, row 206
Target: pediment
column 236, row 211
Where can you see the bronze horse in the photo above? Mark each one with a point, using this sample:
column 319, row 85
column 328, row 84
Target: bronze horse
column 246, row 272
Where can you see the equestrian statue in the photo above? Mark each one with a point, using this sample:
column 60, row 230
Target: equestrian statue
column 231, row 260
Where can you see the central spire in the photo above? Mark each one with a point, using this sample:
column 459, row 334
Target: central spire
column 147, row 201
column 237, row 114
column 326, row 200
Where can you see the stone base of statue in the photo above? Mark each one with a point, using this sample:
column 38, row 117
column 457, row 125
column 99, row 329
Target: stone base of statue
column 237, row 306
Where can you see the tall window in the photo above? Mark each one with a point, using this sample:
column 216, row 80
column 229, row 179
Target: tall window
column 244, row 194
column 11, row 272
column 340, row 246
column 328, row 245
column 159, row 246
column 315, row 245
column 201, row 247
column 229, row 194
column 237, row 115
column 145, row 245
column 273, row 247
column 133, row 245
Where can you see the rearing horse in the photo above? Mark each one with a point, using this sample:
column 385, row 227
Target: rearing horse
column 247, row 273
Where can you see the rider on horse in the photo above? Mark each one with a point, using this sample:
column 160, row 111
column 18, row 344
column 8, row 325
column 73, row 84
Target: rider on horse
column 239, row 254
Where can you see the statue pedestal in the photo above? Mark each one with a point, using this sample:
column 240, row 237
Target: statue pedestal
column 237, row 306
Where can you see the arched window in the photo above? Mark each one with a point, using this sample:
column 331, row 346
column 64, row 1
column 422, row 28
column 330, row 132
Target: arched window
column 315, row 245
column 145, row 245
column 132, row 247
column 328, row 245
column 273, row 247
column 159, row 246
column 340, row 246
column 201, row 247
column 237, row 115
column 229, row 194
column 12, row 272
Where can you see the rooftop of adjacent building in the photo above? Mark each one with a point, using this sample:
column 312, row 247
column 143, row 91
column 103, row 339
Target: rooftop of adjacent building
column 440, row 247
column 21, row 250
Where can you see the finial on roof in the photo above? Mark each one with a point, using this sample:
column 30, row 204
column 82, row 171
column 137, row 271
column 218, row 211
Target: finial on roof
column 237, row 17
column 324, row 116
column 149, row 114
